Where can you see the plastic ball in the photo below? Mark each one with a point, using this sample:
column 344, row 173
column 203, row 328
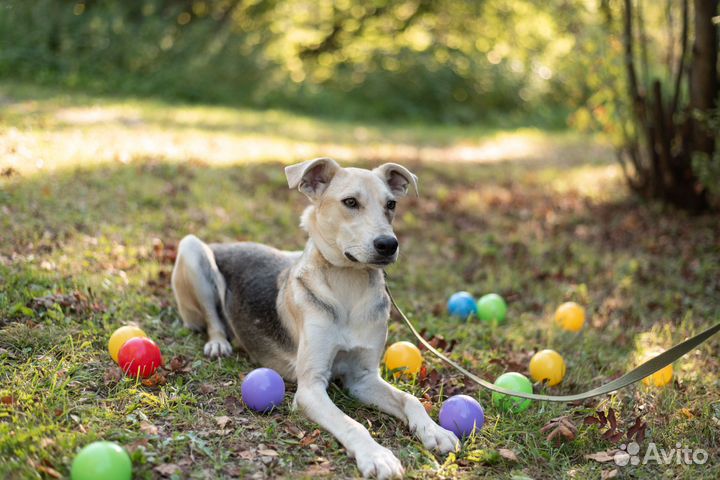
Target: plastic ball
column 101, row 460
column 461, row 304
column 570, row 316
column 139, row 357
column 516, row 382
column 660, row 378
column 461, row 415
column 263, row 389
column 547, row 365
column 404, row 357
column 120, row 336
column 492, row 308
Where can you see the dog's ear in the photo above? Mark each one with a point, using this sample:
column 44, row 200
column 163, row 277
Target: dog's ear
column 398, row 178
column 312, row 177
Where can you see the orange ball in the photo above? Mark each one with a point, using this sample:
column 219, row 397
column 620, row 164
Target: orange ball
column 547, row 365
column 570, row 316
column 404, row 357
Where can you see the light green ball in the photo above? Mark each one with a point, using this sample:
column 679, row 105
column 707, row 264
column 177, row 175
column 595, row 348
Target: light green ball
column 516, row 382
column 492, row 308
column 102, row 460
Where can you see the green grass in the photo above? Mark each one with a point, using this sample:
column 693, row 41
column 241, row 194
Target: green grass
column 92, row 186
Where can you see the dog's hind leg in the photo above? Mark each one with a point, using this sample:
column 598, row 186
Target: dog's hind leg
column 199, row 289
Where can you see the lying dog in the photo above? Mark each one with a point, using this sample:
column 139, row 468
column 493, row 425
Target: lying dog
column 318, row 314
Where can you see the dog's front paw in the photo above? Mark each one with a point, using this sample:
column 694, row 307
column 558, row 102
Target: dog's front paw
column 379, row 463
column 217, row 348
column 434, row 437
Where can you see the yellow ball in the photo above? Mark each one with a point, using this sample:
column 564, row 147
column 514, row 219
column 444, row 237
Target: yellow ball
column 570, row 316
column 547, row 365
column 660, row 378
column 405, row 356
column 120, row 336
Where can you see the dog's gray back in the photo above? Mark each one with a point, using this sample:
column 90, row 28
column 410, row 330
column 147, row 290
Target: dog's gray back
column 253, row 274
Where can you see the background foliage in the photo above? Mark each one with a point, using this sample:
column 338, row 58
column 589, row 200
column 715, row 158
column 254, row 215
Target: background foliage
column 457, row 61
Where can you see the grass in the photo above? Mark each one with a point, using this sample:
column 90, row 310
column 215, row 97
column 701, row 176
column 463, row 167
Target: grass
column 96, row 190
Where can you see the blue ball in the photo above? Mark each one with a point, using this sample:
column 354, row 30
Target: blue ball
column 263, row 389
column 462, row 304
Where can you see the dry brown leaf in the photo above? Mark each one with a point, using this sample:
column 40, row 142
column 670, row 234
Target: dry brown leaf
column 294, row 431
column 561, row 429
column 207, row 388
column 167, row 469
column 607, row 474
column 113, row 375
column 233, row 405
column 508, row 454
column 602, row 457
column 177, row 363
column 148, row 428
column 561, row 433
column 46, row 442
column 267, row 452
column 222, row 421
column 246, row 454
column 154, row 380
column 131, row 447
column 308, row 439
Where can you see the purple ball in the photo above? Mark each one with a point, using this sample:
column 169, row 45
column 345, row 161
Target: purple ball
column 461, row 414
column 263, row 389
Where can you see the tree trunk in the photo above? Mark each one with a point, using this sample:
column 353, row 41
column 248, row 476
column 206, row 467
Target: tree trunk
column 704, row 78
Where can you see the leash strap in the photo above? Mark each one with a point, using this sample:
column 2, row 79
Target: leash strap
column 635, row 375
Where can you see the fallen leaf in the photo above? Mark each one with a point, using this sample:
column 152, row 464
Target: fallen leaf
column 560, row 428
column 233, row 405
column 177, row 363
column 607, row 474
column 602, row 457
column 222, row 421
column 266, row 452
column 154, row 380
column 508, row 454
column 561, row 433
column 46, row 442
column 687, row 413
column 294, row 431
column 308, row 439
column 611, row 418
column 148, row 428
column 207, row 388
column 113, row 375
column 131, row 447
column 246, row 454
column 591, row 420
column 7, row 400
column 167, row 469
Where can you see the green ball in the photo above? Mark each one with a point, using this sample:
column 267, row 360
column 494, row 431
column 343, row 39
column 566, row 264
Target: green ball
column 516, row 382
column 101, row 460
column 492, row 308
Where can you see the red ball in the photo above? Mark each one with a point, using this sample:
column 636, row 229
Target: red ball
column 139, row 357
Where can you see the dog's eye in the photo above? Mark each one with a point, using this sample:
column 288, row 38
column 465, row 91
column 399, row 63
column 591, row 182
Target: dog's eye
column 391, row 205
column 351, row 202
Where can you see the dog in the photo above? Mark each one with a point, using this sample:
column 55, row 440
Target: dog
column 319, row 314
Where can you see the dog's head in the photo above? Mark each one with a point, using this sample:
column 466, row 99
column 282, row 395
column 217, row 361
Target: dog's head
column 350, row 219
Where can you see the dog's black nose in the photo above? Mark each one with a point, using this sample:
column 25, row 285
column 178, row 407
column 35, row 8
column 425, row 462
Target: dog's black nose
column 386, row 245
